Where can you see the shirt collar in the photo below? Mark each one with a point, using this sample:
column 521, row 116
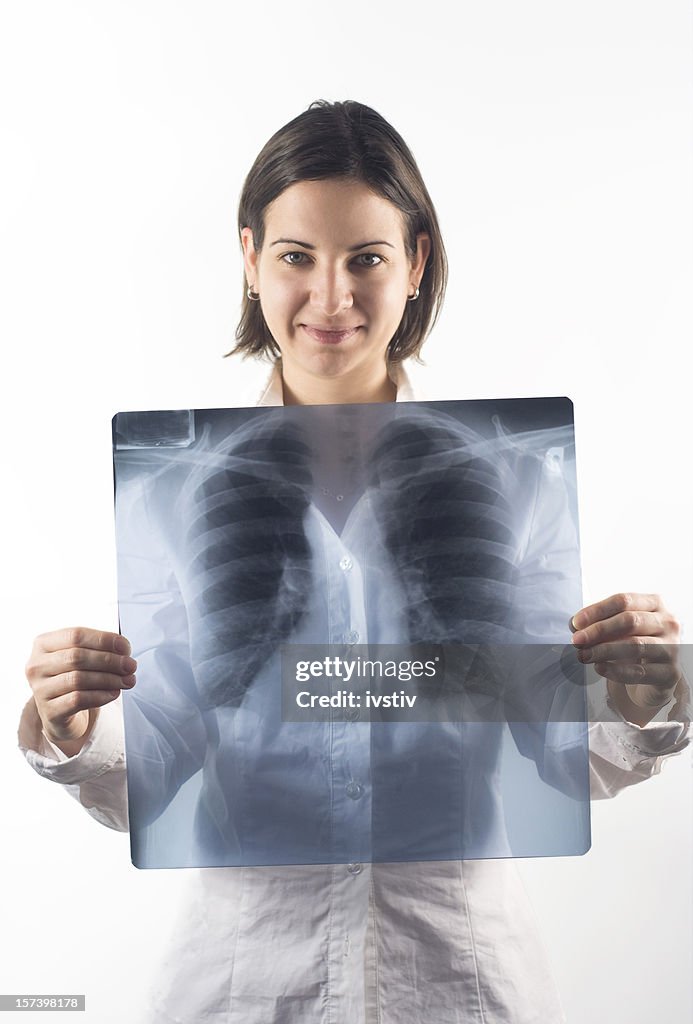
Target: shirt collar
column 272, row 393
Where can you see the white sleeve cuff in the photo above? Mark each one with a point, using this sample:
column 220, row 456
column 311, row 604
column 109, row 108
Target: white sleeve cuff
column 104, row 749
column 630, row 746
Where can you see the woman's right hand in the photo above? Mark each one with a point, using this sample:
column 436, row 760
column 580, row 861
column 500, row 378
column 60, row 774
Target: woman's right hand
column 72, row 673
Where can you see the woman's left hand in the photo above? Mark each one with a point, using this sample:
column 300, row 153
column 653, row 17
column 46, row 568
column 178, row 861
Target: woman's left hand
column 632, row 640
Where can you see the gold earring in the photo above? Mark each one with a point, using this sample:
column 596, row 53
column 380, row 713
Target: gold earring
column 414, row 297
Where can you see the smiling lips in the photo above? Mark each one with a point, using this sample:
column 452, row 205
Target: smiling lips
column 328, row 335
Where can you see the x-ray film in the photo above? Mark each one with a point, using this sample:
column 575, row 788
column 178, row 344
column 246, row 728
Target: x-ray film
column 352, row 632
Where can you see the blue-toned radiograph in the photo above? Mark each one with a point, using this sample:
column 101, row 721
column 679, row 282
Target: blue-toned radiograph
column 444, row 530
column 249, row 568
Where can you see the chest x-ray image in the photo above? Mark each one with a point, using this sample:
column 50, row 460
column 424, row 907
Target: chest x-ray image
column 351, row 625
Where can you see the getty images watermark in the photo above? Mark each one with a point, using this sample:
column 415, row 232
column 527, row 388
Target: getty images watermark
column 343, row 671
column 460, row 683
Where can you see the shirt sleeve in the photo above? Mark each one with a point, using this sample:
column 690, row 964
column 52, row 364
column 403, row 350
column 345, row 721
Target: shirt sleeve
column 96, row 775
column 165, row 727
column 621, row 753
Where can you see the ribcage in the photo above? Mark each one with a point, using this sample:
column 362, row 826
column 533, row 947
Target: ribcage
column 448, row 527
column 441, row 509
column 248, row 561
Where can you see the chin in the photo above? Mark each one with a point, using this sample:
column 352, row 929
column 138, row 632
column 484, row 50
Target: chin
column 325, row 361
column 330, row 364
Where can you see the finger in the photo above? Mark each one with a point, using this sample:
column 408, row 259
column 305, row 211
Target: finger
column 74, row 659
column 620, row 627
column 81, row 636
column 637, row 649
column 63, row 708
column 70, row 682
column 613, row 606
column 659, row 676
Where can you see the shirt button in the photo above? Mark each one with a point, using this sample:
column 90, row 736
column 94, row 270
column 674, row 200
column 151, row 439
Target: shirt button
column 345, row 564
column 354, row 790
column 352, row 637
column 354, row 869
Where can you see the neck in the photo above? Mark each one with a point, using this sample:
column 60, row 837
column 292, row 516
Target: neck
column 306, row 389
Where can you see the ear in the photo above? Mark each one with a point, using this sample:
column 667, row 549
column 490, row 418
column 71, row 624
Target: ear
column 423, row 251
column 249, row 257
column 419, row 261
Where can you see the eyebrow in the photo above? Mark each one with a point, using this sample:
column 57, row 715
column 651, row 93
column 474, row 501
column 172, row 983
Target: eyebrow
column 307, row 245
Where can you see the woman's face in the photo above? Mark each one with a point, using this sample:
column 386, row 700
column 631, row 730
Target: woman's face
column 333, row 277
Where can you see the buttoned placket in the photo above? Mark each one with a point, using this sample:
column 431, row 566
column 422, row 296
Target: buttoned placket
column 345, row 560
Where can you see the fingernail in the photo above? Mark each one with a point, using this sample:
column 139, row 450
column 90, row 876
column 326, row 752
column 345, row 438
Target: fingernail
column 121, row 645
column 579, row 638
column 128, row 681
column 585, row 655
column 128, row 665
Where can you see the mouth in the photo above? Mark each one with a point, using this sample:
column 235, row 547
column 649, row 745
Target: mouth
column 328, row 335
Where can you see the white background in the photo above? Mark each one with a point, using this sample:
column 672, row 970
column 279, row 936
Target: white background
column 555, row 140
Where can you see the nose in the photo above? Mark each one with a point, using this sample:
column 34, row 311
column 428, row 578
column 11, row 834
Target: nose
column 331, row 291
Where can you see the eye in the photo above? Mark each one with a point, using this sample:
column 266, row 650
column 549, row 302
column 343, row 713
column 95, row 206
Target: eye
column 295, row 259
column 369, row 259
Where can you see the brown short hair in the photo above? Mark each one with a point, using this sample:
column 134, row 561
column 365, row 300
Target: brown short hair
column 345, row 140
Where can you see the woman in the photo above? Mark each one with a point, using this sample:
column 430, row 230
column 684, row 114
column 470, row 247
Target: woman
column 345, row 273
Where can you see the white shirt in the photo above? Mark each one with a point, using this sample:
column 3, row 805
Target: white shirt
column 447, row 941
